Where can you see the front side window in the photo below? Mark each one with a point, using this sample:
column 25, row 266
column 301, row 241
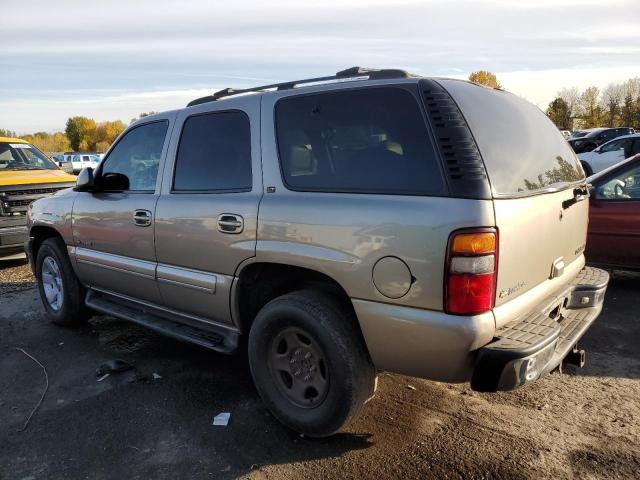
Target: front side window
column 23, row 156
column 137, row 156
column 214, row 154
column 624, row 186
column 357, row 141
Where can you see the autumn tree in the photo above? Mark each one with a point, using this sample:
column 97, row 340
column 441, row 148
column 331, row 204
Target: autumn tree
column 590, row 110
column 7, row 133
column 106, row 133
column 483, row 77
column 81, row 132
column 142, row 115
column 48, row 142
column 612, row 97
column 560, row 114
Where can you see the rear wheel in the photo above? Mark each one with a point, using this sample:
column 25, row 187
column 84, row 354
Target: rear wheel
column 61, row 292
column 309, row 362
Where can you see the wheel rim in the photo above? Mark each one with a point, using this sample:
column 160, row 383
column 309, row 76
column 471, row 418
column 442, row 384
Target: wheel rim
column 298, row 366
column 52, row 283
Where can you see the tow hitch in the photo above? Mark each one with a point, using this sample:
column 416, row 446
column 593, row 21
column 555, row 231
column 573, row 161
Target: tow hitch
column 575, row 357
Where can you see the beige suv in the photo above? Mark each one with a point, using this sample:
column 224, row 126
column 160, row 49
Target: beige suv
column 369, row 220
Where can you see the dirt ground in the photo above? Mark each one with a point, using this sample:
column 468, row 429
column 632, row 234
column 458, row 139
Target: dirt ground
column 581, row 424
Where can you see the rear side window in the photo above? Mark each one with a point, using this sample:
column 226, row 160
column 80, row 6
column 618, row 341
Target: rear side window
column 214, row 153
column 522, row 149
column 360, row 141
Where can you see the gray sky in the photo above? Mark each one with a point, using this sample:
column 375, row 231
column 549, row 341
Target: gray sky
column 114, row 59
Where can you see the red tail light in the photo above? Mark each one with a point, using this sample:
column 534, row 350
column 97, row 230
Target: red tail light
column 471, row 271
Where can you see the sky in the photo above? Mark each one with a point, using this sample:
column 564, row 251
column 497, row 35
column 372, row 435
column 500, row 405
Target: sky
column 114, row 59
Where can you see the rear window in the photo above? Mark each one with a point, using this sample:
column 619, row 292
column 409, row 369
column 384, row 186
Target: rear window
column 522, row 149
column 359, row 141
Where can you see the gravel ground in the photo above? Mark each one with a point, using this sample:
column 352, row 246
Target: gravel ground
column 581, row 424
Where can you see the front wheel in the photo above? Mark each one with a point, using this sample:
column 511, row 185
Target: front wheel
column 309, row 362
column 61, row 292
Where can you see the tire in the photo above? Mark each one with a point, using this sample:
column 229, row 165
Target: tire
column 66, row 307
column 299, row 331
column 587, row 169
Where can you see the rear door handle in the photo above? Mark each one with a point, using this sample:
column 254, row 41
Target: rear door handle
column 230, row 223
column 142, row 218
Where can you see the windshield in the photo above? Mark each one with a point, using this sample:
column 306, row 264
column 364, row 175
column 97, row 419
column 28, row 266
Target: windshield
column 580, row 133
column 22, row 156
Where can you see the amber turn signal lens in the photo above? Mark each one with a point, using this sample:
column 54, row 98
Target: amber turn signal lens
column 474, row 243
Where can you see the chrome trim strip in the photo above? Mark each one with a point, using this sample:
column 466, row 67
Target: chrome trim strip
column 188, row 278
column 141, row 268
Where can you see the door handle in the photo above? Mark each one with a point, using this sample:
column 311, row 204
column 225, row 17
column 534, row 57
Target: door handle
column 142, row 218
column 230, row 223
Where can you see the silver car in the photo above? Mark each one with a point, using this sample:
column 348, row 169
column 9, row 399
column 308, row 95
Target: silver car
column 369, row 220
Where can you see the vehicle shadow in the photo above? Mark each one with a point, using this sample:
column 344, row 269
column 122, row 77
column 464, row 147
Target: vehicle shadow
column 611, row 342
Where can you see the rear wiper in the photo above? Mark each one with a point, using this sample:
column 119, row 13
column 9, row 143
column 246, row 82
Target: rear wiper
column 579, row 194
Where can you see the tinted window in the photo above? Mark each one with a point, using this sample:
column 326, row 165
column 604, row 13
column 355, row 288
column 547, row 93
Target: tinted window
column 522, row 149
column 214, row 153
column 613, row 146
column 137, row 155
column 623, row 186
column 366, row 141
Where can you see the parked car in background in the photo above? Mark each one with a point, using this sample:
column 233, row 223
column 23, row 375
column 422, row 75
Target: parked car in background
column 367, row 220
column 614, row 217
column 610, row 153
column 63, row 161
column 83, row 160
column 596, row 137
column 26, row 174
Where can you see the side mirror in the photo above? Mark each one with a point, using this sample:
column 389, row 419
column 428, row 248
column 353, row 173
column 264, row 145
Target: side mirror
column 114, row 182
column 85, row 181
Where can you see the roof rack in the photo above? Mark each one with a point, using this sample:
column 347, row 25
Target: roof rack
column 353, row 72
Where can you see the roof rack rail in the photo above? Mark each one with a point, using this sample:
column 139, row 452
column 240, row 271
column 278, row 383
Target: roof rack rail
column 353, row 72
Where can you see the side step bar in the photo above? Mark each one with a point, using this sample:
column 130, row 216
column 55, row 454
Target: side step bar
column 214, row 338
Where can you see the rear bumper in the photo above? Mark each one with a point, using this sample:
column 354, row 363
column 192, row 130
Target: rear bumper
column 528, row 348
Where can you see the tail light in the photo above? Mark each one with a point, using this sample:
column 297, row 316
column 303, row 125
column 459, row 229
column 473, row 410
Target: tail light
column 471, row 271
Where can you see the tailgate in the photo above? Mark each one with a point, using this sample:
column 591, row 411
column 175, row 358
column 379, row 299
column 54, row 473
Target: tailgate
column 541, row 244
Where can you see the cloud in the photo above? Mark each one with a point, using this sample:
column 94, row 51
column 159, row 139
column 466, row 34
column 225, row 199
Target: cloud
column 72, row 54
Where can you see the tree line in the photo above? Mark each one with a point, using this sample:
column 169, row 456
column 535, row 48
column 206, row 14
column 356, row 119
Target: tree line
column 81, row 134
column 617, row 105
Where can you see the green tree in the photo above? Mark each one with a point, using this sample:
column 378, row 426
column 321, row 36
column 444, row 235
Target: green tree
column 560, row 114
column 483, row 77
column 81, row 133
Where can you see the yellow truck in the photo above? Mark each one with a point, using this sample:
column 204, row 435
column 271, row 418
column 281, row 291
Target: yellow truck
column 26, row 174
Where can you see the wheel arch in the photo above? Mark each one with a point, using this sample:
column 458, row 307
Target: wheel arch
column 260, row 282
column 40, row 233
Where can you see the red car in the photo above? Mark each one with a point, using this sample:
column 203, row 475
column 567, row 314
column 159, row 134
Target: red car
column 613, row 239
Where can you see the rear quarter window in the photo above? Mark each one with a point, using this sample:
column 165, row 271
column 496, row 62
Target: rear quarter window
column 371, row 140
column 523, row 151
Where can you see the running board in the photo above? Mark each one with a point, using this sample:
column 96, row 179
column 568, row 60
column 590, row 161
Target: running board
column 214, row 338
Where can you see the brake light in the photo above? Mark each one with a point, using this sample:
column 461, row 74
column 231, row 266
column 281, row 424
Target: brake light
column 471, row 271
